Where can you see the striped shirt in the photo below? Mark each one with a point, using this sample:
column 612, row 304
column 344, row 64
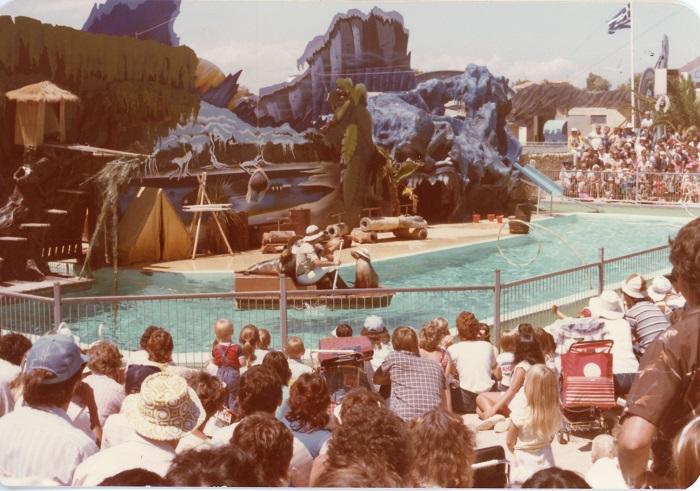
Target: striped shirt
column 647, row 321
column 42, row 443
column 417, row 384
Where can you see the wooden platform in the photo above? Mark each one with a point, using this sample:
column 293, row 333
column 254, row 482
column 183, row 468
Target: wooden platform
column 68, row 284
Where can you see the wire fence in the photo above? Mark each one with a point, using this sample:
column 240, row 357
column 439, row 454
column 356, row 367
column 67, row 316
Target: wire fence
column 629, row 185
column 312, row 314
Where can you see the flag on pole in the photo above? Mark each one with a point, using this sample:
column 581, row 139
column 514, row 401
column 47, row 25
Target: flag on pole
column 622, row 20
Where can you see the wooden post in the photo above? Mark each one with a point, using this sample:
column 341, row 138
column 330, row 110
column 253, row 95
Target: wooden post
column 283, row 311
column 497, row 306
column 57, row 307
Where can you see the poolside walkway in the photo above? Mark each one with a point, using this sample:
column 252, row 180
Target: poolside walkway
column 443, row 236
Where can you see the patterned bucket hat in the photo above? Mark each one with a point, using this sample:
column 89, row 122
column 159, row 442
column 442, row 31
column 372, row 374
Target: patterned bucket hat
column 165, row 409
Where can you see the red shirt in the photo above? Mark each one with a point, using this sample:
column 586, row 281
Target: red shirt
column 226, row 355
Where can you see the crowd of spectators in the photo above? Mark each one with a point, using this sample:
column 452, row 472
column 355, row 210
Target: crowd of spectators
column 624, row 164
column 78, row 417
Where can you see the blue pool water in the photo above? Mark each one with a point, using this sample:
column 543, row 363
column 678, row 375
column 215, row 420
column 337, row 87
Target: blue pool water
column 562, row 242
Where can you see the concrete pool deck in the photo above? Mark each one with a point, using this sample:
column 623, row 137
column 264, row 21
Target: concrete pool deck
column 440, row 237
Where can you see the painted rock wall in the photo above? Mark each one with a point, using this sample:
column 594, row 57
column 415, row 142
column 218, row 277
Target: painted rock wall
column 368, row 48
column 467, row 155
column 143, row 19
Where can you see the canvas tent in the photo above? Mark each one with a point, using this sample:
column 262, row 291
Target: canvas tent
column 151, row 230
column 41, row 111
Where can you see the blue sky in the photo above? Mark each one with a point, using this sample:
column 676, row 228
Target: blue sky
column 521, row 40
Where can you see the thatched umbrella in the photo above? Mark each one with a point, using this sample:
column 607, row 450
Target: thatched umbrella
column 32, row 120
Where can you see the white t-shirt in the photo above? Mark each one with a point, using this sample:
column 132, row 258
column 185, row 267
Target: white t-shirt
column 605, row 473
column 298, row 369
column 109, row 395
column 474, row 361
column 8, row 373
column 505, row 361
column 519, row 401
column 620, row 332
column 135, row 453
column 193, row 441
column 116, row 430
column 42, row 443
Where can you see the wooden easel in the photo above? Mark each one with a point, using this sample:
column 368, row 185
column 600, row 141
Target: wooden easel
column 204, row 204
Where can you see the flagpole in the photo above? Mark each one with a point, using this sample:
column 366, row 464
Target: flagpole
column 632, row 64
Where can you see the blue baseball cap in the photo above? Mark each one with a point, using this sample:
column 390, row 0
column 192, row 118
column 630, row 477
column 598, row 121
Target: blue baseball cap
column 57, row 354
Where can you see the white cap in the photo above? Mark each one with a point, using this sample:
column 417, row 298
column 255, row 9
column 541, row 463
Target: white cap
column 374, row 323
column 634, row 286
column 607, row 306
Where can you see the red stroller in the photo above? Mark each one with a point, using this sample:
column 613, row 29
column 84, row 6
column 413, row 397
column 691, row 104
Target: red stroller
column 588, row 387
column 342, row 362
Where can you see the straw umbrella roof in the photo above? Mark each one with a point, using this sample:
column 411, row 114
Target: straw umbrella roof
column 41, row 92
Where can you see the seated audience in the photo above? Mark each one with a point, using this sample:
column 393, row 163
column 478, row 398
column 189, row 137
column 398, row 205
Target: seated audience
column 308, row 417
column 359, row 396
column 608, row 308
column 605, row 472
column 159, row 346
column 226, row 357
column 646, row 319
column 105, row 379
column 230, row 467
column 555, row 478
column 493, row 406
column 163, row 412
column 342, row 331
column 39, row 440
column 665, row 395
column 212, row 394
column 533, row 425
column 140, row 356
column 474, row 363
column 295, row 350
column 271, row 445
column 444, row 451
column 505, row 358
column 135, row 478
column 277, row 363
column 13, row 347
column 360, row 475
column 417, row 384
column 249, row 339
column 429, row 343
column 367, row 435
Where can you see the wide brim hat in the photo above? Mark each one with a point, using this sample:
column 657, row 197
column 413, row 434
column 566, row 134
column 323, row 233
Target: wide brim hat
column 312, row 233
column 634, row 287
column 361, row 252
column 659, row 288
column 608, row 306
column 165, row 409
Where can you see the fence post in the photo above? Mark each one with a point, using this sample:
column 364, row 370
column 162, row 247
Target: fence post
column 497, row 305
column 57, row 310
column 601, row 270
column 283, row 311
column 636, row 184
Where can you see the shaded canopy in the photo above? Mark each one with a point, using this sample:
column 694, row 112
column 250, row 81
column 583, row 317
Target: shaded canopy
column 41, row 92
column 34, row 120
column 533, row 98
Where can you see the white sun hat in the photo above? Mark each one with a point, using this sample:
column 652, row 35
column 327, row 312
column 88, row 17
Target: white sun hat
column 635, row 286
column 165, row 409
column 660, row 287
column 312, row 233
column 607, row 306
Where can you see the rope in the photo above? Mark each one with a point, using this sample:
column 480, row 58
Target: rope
column 539, row 244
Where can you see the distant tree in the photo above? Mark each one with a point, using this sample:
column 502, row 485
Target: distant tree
column 626, row 85
column 684, row 105
column 597, row 82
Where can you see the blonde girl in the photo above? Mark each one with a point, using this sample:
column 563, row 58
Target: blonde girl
column 534, row 425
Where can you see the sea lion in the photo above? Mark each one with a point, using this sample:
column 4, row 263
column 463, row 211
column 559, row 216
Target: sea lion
column 365, row 275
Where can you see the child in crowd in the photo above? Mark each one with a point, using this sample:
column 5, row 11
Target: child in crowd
column 265, row 340
column 605, row 472
column 227, row 358
column 249, row 339
column 505, row 358
column 295, row 351
column 548, row 347
column 534, row 425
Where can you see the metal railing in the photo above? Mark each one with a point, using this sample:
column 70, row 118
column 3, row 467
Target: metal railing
column 312, row 314
column 629, row 186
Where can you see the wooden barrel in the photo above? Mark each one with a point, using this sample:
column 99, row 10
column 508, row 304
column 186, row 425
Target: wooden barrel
column 300, row 219
column 337, row 230
column 362, row 237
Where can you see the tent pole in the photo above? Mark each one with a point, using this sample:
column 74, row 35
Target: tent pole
column 218, row 224
column 200, row 201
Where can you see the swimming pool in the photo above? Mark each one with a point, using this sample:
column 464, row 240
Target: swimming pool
column 563, row 242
